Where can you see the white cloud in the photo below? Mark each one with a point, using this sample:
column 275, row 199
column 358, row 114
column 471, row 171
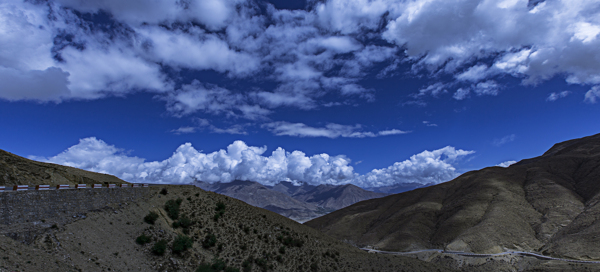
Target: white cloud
column 434, row 89
column 423, row 168
column 213, row 14
column 187, row 164
column 309, row 53
column 240, row 161
column 537, row 43
column 504, row 140
column 203, row 124
column 212, row 99
column 47, row 85
column 593, row 95
column 184, row 130
column 329, row 131
column 461, row 93
column 506, row 163
column 429, row 124
column 555, row 96
column 489, row 87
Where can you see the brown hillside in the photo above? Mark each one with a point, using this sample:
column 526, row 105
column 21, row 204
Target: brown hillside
column 15, row 170
column 547, row 204
column 246, row 238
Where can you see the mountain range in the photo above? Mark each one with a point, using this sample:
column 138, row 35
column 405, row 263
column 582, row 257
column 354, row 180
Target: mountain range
column 548, row 204
column 300, row 203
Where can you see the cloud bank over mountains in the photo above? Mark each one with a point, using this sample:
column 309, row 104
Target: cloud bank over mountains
column 243, row 162
column 57, row 51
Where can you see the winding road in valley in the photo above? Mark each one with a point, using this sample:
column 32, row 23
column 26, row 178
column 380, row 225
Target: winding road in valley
column 469, row 254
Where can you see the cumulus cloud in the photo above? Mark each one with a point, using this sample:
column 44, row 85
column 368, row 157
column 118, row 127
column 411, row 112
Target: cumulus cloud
column 242, row 162
column 187, row 164
column 506, row 163
column 423, row 168
column 555, row 96
column 330, row 130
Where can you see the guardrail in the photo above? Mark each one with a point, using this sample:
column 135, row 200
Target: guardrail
column 470, row 254
column 67, row 187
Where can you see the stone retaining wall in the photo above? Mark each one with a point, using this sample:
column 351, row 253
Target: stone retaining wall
column 24, row 215
column 30, row 206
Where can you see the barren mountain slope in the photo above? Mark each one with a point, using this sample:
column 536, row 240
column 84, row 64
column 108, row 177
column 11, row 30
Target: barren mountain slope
column 241, row 237
column 547, row 204
column 331, row 197
column 16, row 170
column 260, row 196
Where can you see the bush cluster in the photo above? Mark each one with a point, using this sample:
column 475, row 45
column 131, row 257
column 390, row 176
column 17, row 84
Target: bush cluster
column 160, row 247
column 151, row 218
column 217, row 265
column 143, row 239
column 220, row 210
column 182, row 243
column 209, row 241
column 289, row 241
column 172, row 208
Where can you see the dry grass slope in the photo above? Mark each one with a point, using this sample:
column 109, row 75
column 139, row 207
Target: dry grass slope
column 247, row 239
column 16, row 170
column 547, row 204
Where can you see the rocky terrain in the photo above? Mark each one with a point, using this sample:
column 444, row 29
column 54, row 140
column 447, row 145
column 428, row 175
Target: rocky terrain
column 548, row 204
column 212, row 232
column 300, row 203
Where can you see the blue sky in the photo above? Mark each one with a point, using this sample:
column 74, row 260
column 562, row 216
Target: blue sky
column 373, row 93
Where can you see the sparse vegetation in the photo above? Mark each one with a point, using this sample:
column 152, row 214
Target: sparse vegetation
column 160, row 247
column 220, row 210
column 290, row 241
column 151, row 218
column 185, row 222
column 209, row 241
column 172, row 208
column 143, row 239
column 182, row 243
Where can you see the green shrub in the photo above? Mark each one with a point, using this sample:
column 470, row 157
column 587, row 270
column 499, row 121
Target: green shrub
column 205, row 268
column 182, row 243
column 220, row 206
column 185, row 222
column 175, row 224
column 292, row 242
column 247, row 265
column 164, row 191
column 160, row 247
column 218, row 265
column 151, row 218
column 231, row 269
column 261, row 262
column 209, row 241
column 172, row 208
column 143, row 239
column 282, row 250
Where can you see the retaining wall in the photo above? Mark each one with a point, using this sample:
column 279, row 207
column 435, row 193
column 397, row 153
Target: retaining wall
column 31, row 206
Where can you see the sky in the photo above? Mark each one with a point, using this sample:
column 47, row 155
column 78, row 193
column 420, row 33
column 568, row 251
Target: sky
column 373, row 93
